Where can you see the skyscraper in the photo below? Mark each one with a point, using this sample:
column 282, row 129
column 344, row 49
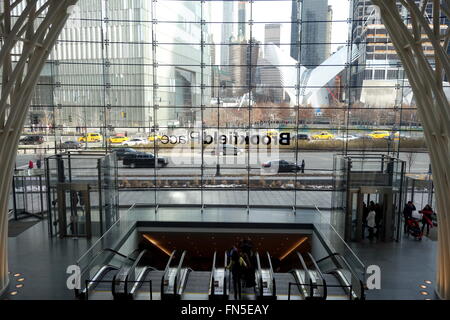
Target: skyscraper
column 227, row 33
column 379, row 64
column 130, row 91
column 244, row 59
column 272, row 33
column 270, row 75
column 242, row 20
column 313, row 16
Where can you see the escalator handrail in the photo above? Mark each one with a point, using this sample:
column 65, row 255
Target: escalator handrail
column 211, row 279
column 166, row 270
column 353, row 273
column 177, row 275
column 225, row 275
column 272, row 277
column 132, row 268
column 319, row 272
column 140, row 279
column 328, row 257
column 115, row 252
column 307, row 274
column 258, row 263
column 104, row 269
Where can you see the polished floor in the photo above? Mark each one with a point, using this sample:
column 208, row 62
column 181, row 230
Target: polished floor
column 40, row 262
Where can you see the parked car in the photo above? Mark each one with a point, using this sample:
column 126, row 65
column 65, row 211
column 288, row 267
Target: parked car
column 348, row 137
column 324, row 135
column 143, row 160
column 226, row 149
column 34, row 139
column 118, row 139
column 121, row 152
column 280, row 166
column 302, row 136
column 69, row 145
column 91, row 137
column 134, row 142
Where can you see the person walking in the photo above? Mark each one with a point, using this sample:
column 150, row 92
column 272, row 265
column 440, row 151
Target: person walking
column 427, row 212
column 39, row 163
column 303, row 166
column 371, row 222
column 407, row 214
column 30, row 164
column 378, row 219
column 364, row 219
column 237, row 265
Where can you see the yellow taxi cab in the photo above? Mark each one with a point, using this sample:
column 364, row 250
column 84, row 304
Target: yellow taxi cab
column 118, row 139
column 91, row 137
column 324, row 135
column 154, row 137
column 379, row 134
column 272, row 133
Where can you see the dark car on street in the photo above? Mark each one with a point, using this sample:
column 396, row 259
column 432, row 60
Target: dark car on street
column 34, row 139
column 69, row 145
column 121, row 152
column 280, row 166
column 302, row 136
column 143, row 160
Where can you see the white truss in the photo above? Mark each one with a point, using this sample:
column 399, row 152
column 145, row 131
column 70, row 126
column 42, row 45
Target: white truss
column 28, row 31
column 432, row 104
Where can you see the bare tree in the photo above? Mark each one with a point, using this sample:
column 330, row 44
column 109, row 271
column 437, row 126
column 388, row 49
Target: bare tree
column 409, row 35
column 411, row 159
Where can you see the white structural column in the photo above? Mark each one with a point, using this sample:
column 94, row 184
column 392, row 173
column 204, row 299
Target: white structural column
column 408, row 36
column 28, row 32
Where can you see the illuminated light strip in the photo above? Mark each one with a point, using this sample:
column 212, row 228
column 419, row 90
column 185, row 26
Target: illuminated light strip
column 293, row 248
column 152, row 241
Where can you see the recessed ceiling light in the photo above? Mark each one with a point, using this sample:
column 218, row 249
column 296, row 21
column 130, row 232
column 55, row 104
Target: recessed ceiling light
column 13, row 293
column 424, row 293
column 423, row 286
column 19, row 285
column 17, row 275
column 21, row 279
column 428, row 282
column 427, row 299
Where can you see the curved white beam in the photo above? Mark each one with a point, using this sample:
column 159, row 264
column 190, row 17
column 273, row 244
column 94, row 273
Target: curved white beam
column 37, row 28
column 432, row 105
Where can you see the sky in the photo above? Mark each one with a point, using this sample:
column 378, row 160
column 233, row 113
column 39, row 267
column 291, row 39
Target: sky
column 279, row 12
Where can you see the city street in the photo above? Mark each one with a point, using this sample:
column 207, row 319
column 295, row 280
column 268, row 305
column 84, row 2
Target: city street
column 190, row 163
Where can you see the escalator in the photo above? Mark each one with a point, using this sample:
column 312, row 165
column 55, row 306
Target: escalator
column 143, row 282
column 174, row 278
column 342, row 281
column 113, row 275
column 330, row 278
column 100, row 285
column 265, row 280
column 295, row 284
column 219, row 284
column 309, row 280
column 287, row 286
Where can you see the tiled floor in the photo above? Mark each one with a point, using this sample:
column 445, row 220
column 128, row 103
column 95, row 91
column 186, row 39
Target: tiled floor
column 42, row 261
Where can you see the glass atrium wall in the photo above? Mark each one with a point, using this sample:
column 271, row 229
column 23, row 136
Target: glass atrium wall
column 290, row 80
